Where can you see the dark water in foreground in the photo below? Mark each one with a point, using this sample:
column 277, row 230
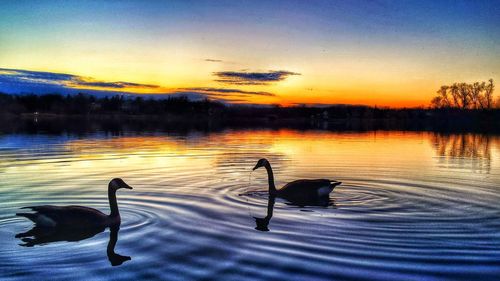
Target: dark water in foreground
column 413, row 206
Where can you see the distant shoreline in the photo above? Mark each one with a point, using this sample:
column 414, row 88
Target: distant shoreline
column 481, row 122
column 87, row 113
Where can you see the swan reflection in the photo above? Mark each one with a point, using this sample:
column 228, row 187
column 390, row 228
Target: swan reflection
column 262, row 224
column 45, row 235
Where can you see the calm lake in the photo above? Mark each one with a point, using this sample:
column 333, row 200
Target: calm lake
column 412, row 206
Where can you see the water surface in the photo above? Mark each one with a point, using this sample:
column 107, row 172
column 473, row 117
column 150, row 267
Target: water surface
column 412, row 206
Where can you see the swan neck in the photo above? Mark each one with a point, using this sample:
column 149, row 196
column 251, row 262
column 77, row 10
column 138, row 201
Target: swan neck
column 113, row 205
column 270, row 178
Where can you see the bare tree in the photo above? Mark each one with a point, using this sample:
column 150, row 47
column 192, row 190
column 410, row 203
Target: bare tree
column 455, row 94
column 477, row 95
column 444, row 101
column 464, row 95
column 477, row 100
column 488, row 94
column 437, row 102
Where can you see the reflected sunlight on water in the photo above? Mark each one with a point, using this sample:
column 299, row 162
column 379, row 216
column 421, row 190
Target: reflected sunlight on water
column 412, row 206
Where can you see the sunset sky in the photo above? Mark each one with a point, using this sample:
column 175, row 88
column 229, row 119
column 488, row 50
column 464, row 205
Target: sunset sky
column 384, row 53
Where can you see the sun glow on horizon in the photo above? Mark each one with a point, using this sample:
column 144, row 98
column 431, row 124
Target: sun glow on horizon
column 394, row 54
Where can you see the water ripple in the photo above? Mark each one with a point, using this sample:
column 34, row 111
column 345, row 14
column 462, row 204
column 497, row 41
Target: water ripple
column 192, row 212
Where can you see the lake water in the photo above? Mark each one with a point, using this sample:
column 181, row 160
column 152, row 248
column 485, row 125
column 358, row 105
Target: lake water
column 412, row 206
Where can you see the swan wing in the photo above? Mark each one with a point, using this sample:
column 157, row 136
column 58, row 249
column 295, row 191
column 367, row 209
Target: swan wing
column 77, row 216
column 308, row 188
column 311, row 184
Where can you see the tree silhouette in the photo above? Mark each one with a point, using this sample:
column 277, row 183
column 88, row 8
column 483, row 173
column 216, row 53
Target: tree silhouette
column 477, row 95
column 488, row 94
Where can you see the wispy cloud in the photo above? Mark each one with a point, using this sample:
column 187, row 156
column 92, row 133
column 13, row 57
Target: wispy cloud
column 213, row 60
column 229, row 91
column 223, row 94
column 116, row 85
column 40, row 78
column 252, row 78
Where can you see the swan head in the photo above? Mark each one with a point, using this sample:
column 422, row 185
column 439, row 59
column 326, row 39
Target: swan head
column 118, row 183
column 261, row 163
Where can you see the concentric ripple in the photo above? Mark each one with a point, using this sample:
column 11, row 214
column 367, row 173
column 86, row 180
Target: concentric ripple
column 198, row 212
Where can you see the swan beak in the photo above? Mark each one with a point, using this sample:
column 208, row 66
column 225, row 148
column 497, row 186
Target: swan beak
column 126, row 186
column 256, row 167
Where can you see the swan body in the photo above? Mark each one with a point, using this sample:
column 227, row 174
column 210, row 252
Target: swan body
column 299, row 190
column 78, row 216
column 57, row 216
column 320, row 187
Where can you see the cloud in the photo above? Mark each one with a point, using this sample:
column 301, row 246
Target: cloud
column 42, row 79
column 213, row 60
column 34, row 77
column 225, row 95
column 252, row 78
column 229, row 91
column 117, row 85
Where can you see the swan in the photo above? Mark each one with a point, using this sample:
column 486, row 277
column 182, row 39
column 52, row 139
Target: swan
column 78, row 216
column 299, row 190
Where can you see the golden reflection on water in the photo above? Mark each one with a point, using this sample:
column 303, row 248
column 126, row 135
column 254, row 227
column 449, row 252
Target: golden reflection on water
column 465, row 150
column 463, row 146
column 309, row 151
column 296, row 154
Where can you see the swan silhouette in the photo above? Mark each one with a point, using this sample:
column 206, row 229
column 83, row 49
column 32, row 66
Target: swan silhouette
column 43, row 235
column 299, row 190
column 78, row 216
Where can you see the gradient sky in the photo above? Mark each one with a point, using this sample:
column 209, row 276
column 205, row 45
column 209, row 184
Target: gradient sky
column 385, row 53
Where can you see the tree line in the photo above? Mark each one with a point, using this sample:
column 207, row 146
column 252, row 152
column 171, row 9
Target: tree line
column 182, row 106
column 83, row 104
column 477, row 95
